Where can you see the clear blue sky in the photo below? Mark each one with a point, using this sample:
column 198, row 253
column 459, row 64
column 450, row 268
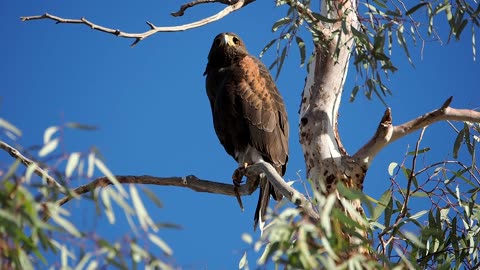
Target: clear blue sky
column 154, row 118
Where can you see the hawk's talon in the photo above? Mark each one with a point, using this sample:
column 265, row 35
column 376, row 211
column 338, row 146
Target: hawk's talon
column 239, row 199
column 237, row 181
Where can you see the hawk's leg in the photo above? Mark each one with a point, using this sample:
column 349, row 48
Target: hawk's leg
column 237, row 180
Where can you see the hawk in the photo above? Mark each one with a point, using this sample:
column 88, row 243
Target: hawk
column 248, row 112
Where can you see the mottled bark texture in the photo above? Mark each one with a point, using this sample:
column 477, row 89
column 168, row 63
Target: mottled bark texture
column 326, row 159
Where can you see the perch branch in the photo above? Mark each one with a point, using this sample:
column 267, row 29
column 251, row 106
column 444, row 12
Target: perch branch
column 202, row 185
column 190, row 181
column 153, row 28
column 28, row 162
column 186, row 6
column 277, row 181
column 387, row 133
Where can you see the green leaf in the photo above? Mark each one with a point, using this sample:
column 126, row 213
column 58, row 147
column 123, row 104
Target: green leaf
column 91, row 165
column 72, row 163
column 49, row 147
column 142, row 214
column 247, row 238
column 8, row 126
column 322, row 18
column 83, row 261
column 420, row 151
column 279, row 23
column 101, row 166
column 92, row 265
column 80, row 126
column 419, row 214
column 64, row 223
column 401, row 40
column 391, row 168
column 8, row 215
column 265, row 49
column 280, row 64
column 243, row 261
column 474, row 50
column 354, row 93
column 47, row 135
column 152, row 197
column 301, row 48
column 415, row 8
column 362, row 37
column 458, row 142
column 160, row 243
column 414, row 239
column 25, row 262
column 105, row 196
column 382, row 204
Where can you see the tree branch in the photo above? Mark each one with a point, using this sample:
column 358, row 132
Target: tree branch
column 190, row 181
column 28, row 163
column 287, row 191
column 153, row 28
column 387, row 133
column 186, row 6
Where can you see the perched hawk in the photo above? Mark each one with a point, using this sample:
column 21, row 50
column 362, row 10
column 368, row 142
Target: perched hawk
column 248, row 112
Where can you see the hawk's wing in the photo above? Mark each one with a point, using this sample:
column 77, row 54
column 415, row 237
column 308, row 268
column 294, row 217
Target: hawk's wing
column 260, row 103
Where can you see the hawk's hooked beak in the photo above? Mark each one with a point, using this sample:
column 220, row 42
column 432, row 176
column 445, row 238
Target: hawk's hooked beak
column 228, row 40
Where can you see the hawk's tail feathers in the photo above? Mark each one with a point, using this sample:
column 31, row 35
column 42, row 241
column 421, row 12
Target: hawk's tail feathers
column 262, row 205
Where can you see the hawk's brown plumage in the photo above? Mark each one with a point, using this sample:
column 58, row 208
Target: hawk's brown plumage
column 248, row 112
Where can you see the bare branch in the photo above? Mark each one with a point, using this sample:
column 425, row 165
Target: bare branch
column 387, row 133
column 28, row 163
column 202, row 185
column 190, row 181
column 186, row 6
column 153, row 29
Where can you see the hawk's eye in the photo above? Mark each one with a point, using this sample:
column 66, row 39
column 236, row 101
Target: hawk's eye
column 236, row 40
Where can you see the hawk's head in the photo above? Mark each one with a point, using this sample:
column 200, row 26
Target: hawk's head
column 226, row 49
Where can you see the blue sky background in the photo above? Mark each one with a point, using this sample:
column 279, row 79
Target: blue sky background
column 154, row 118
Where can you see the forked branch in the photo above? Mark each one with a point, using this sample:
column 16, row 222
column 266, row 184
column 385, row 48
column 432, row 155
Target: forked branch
column 31, row 164
column 190, row 181
column 235, row 5
column 387, row 133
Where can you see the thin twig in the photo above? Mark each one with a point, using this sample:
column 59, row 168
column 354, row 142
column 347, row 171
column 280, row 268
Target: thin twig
column 186, row 6
column 403, row 211
column 153, row 28
column 28, row 163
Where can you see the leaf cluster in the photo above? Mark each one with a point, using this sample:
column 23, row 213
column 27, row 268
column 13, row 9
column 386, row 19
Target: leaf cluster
column 37, row 231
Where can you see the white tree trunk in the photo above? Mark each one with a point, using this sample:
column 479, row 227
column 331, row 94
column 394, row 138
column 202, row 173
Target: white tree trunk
column 326, row 159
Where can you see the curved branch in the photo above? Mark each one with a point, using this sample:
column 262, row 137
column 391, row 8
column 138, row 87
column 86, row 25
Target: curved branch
column 153, row 28
column 186, row 6
column 387, row 133
column 28, row 163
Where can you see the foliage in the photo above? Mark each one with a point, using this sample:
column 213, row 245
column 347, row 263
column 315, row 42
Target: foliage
column 36, row 231
column 383, row 26
column 429, row 218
